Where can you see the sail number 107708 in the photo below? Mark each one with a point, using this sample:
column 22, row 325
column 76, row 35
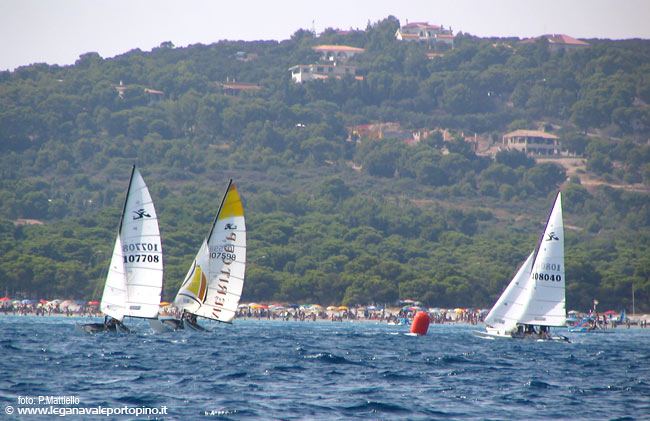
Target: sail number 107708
column 141, row 255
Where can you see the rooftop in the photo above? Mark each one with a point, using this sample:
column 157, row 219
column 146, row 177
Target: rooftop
column 337, row 48
column 558, row 39
column 531, row 133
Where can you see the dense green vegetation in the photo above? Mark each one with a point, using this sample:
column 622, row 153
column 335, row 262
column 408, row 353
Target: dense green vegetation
column 431, row 221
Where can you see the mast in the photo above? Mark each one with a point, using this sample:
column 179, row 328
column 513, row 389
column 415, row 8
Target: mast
column 126, row 199
column 216, row 217
column 541, row 239
column 545, row 287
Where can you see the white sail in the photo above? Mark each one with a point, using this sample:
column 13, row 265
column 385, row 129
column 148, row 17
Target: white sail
column 213, row 285
column 507, row 311
column 545, row 290
column 135, row 278
column 536, row 294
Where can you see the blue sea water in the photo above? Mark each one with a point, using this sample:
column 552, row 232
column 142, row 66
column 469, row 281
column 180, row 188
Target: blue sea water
column 324, row 370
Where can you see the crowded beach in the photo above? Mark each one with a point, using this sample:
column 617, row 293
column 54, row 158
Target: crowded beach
column 402, row 313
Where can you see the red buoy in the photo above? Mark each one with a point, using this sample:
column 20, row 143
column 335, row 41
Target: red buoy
column 420, row 323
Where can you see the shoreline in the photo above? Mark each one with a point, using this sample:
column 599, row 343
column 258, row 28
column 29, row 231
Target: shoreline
column 479, row 325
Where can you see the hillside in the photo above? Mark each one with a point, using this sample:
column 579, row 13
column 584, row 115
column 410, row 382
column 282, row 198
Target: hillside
column 429, row 207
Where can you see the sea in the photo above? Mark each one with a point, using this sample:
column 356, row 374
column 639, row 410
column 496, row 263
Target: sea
column 285, row 370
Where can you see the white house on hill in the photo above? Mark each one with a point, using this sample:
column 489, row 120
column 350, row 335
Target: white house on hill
column 303, row 73
column 337, row 53
column 423, row 32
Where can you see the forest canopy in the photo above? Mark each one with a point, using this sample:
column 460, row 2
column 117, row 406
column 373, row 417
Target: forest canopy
column 334, row 215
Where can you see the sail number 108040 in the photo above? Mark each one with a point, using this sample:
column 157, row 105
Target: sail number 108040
column 546, row 277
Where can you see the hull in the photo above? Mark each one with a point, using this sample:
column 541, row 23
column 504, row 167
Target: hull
column 91, row 328
column 582, row 329
column 189, row 325
column 170, row 325
column 490, row 335
column 165, row 325
column 530, row 337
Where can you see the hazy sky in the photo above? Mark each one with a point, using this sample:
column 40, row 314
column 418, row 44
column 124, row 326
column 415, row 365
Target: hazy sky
column 58, row 31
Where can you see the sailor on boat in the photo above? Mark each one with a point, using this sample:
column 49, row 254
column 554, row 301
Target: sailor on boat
column 190, row 320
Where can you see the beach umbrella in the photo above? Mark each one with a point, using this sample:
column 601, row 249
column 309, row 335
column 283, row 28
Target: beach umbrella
column 256, row 306
column 65, row 304
column 332, row 308
column 43, row 301
column 343, row 308
column 610, row 312
column 94, row 303
column 292, row 306
column 483, row 312
column 3, row 299
column 162, row 303
column 371, row 308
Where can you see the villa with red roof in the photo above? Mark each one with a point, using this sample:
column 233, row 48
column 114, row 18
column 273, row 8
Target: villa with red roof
column 558, row 42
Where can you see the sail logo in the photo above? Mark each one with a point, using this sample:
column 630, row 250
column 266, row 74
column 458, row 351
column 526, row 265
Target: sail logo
column 140, row 214
column 551, row 236
column 230, row 227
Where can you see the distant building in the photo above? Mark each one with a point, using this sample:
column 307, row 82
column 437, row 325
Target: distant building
column 244, row 56
column 337, row 53
column 232, row 88
column 559, row 42
column 304, row 73
column 23, row 221
column 383, row 130
column 153, row 94
column 532, row 142
column 423, row 32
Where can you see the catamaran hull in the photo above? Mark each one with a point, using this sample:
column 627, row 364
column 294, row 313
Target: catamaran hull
column 91, row 328
column 171, row 325
column 588, row 330
column 165, row 325
column 193, row 326
column 497, row 335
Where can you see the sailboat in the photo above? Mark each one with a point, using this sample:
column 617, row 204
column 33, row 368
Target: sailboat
column 535, row 298
column 134, row 281
column 213, row 285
